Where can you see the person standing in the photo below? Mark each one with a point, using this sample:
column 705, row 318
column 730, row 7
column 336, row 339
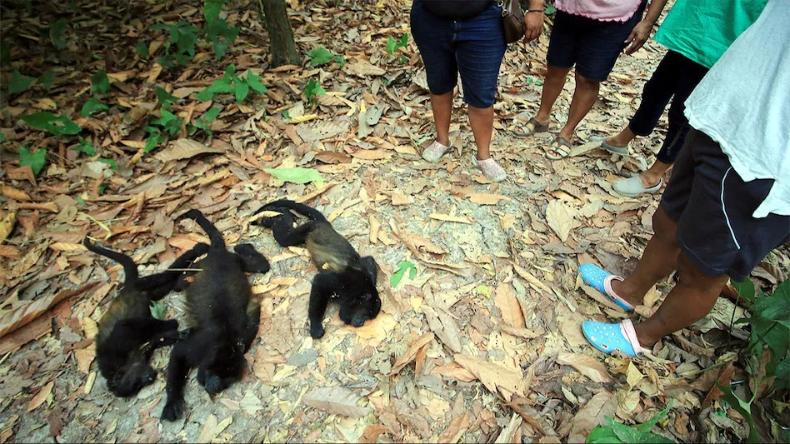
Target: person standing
column 696, row 34
column 590, row 35
column 466, row 37
column 728, row 204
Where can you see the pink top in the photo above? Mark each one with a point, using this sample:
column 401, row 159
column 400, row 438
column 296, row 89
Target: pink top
column 604, row 10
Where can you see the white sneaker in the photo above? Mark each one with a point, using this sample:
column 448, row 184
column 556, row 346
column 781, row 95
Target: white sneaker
column 434, row 152
column 491, row 169
column 632, row 186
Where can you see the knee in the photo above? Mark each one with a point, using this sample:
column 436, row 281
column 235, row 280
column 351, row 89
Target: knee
column 585, row 83
column 663, row 226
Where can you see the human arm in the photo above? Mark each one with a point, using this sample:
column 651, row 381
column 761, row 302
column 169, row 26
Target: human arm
column 533, row 19
column 641, row 31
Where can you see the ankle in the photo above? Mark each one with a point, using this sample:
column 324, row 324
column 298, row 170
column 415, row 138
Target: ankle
column 543, row 119
column 646, row 339
column 622, row 290
column 649, row 179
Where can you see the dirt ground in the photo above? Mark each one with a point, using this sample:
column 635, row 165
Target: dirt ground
column 481, row 342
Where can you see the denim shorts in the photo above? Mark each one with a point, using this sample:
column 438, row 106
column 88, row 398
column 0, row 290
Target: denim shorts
column 592, row 45
column 474, row 48
column 713, row 208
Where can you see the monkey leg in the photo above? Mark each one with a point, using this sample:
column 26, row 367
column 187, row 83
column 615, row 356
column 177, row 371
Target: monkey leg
column 130, row 333
column 324, row 285
column 283, row 228
column 252, row 260
column 253, row 323
column 159, row 285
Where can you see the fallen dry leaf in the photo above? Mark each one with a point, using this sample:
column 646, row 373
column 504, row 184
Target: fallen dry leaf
column 185, row 149
column 411, row 353
column 486, row 198
column 560, row 218
column 7, row 225
column 505, row 300
column 496, row 377
column 336, row 401
column 586, row 365
column 592, row 414
column 41, row 396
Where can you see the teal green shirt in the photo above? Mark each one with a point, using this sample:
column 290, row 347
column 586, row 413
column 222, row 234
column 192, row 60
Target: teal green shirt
column 702, row 30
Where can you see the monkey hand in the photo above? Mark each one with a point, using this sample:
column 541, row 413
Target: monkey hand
column 317, row 331
column 173, row 410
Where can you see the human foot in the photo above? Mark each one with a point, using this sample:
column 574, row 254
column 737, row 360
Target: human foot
column 636, row 185
column 434, row 152
column 533, row 126
column 491, row 169
column 606, row 283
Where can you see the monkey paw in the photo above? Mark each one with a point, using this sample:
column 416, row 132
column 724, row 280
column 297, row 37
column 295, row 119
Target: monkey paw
column 317, row 331
column 173, row 410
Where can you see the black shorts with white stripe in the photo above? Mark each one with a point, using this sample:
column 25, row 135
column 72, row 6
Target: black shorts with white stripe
column 713, row 207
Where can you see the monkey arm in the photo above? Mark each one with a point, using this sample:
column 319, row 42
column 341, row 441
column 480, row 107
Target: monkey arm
column 252, row 260
column 324, row 285
column 177, row 371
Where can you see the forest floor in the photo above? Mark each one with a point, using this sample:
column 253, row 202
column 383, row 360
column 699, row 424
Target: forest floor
column 479, row 336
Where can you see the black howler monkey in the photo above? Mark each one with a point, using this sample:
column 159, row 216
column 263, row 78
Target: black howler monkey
column 128, row 334
column 343, row 274
column 223, row 318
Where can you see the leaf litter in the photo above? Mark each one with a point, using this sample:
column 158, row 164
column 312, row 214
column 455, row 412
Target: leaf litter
column 478, row 341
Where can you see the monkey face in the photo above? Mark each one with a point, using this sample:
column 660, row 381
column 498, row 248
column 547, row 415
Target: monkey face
column 355, row 311
column 130, row 379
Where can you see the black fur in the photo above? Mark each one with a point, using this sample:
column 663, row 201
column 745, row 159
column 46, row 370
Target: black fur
column 128, row 334
column 342, row 273
column 224, row 319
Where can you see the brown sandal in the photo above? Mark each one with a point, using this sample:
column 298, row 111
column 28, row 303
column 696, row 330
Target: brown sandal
column 561, row 147
column 532, row 127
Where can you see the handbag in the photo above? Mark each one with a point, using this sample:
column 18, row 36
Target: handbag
column 513, row 20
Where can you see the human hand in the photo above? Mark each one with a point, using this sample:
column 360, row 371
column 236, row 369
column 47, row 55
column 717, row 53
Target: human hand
column 534, row 23
column 638, row 36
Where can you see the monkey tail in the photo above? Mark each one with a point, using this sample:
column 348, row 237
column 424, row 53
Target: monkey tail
column 129, row 267
column 217, row 241
column 307, row 211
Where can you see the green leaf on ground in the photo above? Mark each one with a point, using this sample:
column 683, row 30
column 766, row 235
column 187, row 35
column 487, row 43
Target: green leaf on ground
column 100, row 82
column 402, row 268
column 57, row 125
column 19, row 83
column 85, row 146
column 91, row 106
column 158, row 310
column 320, row 56
column 57, row 33
column 46, row 80
column 295, row 175
column 35, row 160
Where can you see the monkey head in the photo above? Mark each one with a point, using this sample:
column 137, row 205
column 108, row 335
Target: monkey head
column 131, row 378
column 355, row 311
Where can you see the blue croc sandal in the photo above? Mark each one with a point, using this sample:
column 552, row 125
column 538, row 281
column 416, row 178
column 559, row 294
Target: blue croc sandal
column 601, row 280
column 610, row 337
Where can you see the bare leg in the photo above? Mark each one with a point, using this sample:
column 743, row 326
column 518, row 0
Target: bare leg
column 442, row 106
column 482, row 122
column 659, row 259
column 584, row 98
column 552, row 87
column 623, row 138
column 691, row 299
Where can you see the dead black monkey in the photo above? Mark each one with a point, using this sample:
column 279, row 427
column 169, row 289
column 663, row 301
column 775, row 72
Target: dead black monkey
column 342, row 273
column 128, row 334
column 223, row 317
